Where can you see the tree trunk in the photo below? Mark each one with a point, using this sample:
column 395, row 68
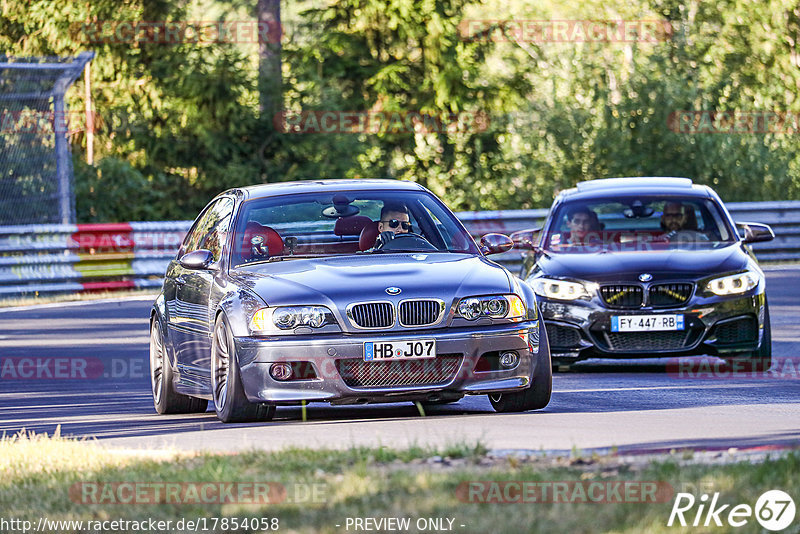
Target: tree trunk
column 269, row 57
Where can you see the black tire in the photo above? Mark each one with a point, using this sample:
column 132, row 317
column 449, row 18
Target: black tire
column 230, row 401
column 759, row 360
column 535, row 397
column 165, row 398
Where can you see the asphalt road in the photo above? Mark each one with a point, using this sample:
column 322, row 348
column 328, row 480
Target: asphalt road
column 90, row 378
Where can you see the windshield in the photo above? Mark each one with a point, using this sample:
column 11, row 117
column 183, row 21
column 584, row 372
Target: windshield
column 637, row 223
column 343, row 223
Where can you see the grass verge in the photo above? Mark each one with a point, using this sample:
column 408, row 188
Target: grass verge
column 39, row 476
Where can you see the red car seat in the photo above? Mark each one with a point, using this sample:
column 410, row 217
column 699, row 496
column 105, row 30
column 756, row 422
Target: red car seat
column 351, row 225
column 272, row 240
column 369, row 234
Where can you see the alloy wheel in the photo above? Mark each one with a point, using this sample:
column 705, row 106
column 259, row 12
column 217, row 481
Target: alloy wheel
column 156, row 362
column 220, row 366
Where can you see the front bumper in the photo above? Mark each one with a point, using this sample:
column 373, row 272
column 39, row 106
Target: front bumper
column 714, row 325
column 452, row 373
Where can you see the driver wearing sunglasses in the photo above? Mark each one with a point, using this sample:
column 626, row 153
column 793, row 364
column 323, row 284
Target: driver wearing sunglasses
column 394, row 220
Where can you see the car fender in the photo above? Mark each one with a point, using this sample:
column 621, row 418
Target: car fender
column 238, row 307
column 524, row 290
column 159, row 311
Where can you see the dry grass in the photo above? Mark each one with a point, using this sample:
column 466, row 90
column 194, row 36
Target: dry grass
column 37, row 472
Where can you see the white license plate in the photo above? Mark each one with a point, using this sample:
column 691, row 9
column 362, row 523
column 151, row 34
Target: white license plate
column 399, row 350
column 646, row 323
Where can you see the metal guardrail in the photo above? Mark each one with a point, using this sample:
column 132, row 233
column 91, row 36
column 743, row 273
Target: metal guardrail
column 783, row 217
column 86, row 257
column 91, row 257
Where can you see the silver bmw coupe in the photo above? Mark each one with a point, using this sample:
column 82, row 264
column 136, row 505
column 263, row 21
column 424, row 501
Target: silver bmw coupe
column 341, row 291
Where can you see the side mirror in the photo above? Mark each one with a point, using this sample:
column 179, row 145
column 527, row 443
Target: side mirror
column 526, row 239
column 496, row 244
column 756, row 232
column 198, row 259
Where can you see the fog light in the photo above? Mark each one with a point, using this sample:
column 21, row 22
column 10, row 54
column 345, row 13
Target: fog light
column 509, row 359
column 281, row 371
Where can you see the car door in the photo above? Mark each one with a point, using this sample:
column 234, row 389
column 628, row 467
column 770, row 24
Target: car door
column 194, row 314
column 179, row 321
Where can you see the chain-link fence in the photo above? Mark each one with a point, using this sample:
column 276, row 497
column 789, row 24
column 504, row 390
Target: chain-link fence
column 35, row 161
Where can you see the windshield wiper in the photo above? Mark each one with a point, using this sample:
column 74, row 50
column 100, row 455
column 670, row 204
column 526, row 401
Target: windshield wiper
column 281, row 258
column 409, row 251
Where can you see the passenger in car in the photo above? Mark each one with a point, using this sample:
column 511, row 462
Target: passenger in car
column 581, row 221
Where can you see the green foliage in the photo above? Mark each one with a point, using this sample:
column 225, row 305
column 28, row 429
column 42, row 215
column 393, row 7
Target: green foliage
column 180, row 122
column 114, row 190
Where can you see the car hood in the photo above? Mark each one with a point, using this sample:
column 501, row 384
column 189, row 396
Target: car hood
column 341, row 280
column 627, row 266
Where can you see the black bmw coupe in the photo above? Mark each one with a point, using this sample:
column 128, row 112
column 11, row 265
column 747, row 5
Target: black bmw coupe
column 638, row 267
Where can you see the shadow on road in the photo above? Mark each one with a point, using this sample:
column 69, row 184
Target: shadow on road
column 122, row 407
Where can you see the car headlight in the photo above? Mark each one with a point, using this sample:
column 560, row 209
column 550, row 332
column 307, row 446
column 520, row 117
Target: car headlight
column 733, row 284
column 494, row 306
column 562, row 289
column 272, row 320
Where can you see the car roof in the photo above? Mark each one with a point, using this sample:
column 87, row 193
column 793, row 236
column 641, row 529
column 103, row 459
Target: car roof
column 327, row 186
column 665, row 185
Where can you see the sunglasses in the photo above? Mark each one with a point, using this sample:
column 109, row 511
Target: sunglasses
column 394, row 223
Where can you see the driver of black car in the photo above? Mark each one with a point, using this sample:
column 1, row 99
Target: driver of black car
column 394, row 220
column 679, row 223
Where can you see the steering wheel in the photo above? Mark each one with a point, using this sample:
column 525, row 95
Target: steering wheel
column 406, row 241
column 686, row 236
